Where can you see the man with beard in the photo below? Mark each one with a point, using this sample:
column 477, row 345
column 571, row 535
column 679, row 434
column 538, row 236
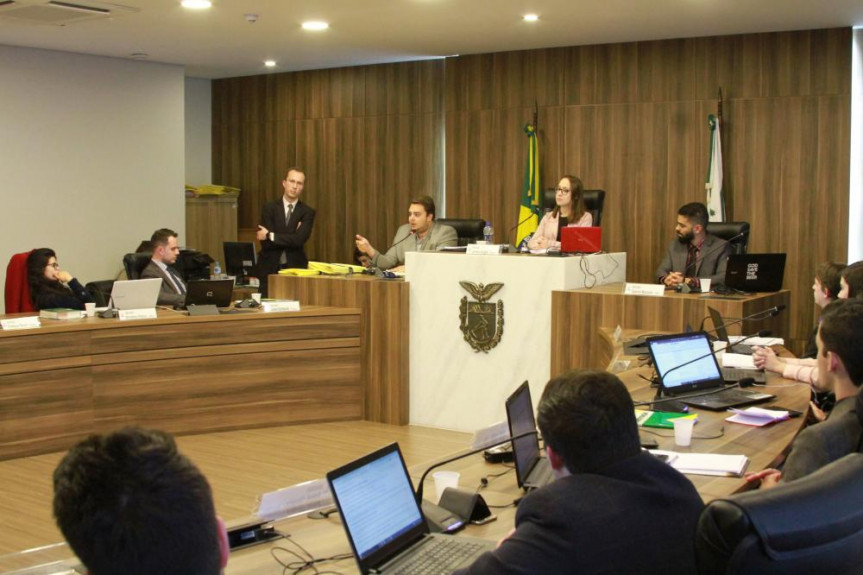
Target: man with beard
column 695, row 254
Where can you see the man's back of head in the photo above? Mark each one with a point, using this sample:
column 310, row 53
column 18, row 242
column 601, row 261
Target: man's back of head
column 587, row 418
column 129, row 502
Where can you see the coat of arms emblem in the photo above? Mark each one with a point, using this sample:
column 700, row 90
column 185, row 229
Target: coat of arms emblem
column 481, row 320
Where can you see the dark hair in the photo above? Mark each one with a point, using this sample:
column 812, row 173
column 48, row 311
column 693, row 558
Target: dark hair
column 129, row 502
column 39, row 284
column 161, row 237
column 577, row 208
column 294, row 169
column 841, row 333
column 853, row 276
column 427, row 203
column 587, row 417
column 829, row 274
column 696, row 212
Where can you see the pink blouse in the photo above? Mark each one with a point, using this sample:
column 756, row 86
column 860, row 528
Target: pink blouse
column 548, row 229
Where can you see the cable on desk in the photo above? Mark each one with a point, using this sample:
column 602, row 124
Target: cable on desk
column 304, row 563
column 483, row 483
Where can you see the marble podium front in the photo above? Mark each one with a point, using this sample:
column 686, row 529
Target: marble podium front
column 451, row 385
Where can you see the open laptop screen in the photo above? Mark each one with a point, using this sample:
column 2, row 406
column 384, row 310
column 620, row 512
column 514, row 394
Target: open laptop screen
column 670, row 355
column 519, row 414
column 376, row 501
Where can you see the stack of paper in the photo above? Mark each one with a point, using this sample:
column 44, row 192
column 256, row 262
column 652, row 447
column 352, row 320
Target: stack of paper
column 710, row 464
column 757, row 416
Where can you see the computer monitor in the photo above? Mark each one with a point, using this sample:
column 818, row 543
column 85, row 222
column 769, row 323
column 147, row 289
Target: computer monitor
column 240, row 258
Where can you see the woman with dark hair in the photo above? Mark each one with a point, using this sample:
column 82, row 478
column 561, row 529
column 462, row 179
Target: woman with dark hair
column 51, row 287
column 851, row 282
column 569, row 210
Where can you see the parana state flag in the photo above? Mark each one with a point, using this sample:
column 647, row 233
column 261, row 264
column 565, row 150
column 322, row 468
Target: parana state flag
column 528, row 214
column 715, row 195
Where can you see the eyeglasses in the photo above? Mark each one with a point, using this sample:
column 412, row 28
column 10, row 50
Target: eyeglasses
column 564, row 190
column 55, row 265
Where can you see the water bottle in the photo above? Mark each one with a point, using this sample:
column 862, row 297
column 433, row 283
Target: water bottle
column 488, row 233
column 217, row 271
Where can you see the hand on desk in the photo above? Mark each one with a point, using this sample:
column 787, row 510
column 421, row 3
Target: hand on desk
column 765, row 358
column 541, row 243
column 768, row 477
column 673, row 279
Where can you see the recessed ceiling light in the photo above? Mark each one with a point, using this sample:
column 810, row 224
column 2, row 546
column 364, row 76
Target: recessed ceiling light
column 315, row 25
column 531, row 17
column 270, row 63
column 196, row 4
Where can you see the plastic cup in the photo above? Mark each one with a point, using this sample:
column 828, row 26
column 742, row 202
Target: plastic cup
column 256, row 297
column 705, row 285
column 90, row 309
column 444, row 479
column 683, row 431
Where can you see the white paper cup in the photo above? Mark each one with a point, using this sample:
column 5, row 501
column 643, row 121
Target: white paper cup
column 683, row 431
column 444, row 479
column 256, row 297
column 705, row 285
column 90, row 309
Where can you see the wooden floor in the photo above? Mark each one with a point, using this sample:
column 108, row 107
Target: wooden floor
column 240, row 465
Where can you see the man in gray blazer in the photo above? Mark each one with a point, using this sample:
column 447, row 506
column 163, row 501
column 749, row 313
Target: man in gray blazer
column 695, row 254
column 165, row 253
column 840, row 369
column 420, row 234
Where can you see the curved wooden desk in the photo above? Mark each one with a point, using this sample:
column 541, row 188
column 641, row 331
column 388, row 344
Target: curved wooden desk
column 182, row 374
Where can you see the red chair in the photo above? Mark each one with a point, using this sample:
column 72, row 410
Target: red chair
column 17, row 287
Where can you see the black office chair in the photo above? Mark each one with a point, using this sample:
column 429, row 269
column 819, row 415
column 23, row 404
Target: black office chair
column 811, row 525
column 134, row 264
column 468, row 230
column 100, row 291
column 594, row 200
column 729, row 230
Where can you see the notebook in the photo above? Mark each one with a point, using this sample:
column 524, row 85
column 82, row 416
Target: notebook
column 213, row 292
column 531, row 470
column 574, row 240
column 135, row 294
column 755, row 272
column 680, row 379
column 384, row 523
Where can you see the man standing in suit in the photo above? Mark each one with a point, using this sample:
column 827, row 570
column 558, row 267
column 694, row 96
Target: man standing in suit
column 286, row 226
column 165, row 253
column 612, row 507
column 695, row 253
column 420, row 234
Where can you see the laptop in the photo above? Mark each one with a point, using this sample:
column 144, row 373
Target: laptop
column 722, row 333
column 384, row 523
column 681, row 379
column 135, row 294
column 755, row 272
column 580, row 240
column 210, row 292
column 531, row 470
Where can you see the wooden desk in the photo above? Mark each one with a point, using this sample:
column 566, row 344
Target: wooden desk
column 385, row 328
column 68, row 379
column 577, row 316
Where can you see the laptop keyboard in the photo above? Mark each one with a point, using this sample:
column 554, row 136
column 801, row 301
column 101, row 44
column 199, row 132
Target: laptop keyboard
column 436, row 556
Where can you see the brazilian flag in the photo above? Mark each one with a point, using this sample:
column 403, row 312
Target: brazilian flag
column 528, row 214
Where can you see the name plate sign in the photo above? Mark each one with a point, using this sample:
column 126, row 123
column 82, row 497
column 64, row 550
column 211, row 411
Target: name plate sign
column 485, row 249
column 31, row 322
column 656, row 290
column 283, row 305
column 129, row 314
column 295, row 500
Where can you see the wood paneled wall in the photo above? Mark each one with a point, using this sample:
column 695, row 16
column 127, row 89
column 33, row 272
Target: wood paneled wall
column 628, row 118
column 632, row 119
column 369, row 138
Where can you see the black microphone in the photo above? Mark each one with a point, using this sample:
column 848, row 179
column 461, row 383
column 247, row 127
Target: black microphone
column 419, row 493
column 374, row 268
column 757, row 316
column 684, row 288
column 515, row 227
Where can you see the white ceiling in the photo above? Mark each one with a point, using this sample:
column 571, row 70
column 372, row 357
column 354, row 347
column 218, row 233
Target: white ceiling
column 220, row 43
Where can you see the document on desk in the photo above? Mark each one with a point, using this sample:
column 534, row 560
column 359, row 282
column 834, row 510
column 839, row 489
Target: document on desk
column 710, row 464
column 294, row 500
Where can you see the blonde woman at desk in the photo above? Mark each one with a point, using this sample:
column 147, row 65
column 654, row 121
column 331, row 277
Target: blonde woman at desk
column 569, row 210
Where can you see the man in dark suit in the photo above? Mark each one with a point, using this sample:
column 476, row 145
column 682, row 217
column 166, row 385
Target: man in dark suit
column 286, row 226
column 695, row 254
column 166, row 249
column 612, row 508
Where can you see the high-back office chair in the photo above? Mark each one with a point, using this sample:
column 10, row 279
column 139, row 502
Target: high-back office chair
column 811, row 525
column 100, row 291
column 594, row 200
column 728, row 230
column 134, row 264
column 17, row 287
column 468, row 230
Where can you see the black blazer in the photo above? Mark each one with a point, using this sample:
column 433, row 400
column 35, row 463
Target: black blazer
column 289, row 239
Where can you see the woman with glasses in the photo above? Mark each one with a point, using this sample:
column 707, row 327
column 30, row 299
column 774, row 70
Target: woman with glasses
column 569, row 210
column 51, row 287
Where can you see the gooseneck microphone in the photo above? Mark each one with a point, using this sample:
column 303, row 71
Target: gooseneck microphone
column 762, row 333
column 515, row 227
column 757, row 316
